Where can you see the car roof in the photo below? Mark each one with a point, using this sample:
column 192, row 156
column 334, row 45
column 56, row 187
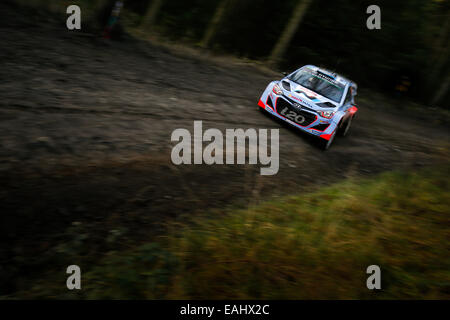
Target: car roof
column 334, row 75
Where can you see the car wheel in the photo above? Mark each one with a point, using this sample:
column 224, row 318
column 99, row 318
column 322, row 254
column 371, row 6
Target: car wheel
column 347, row 126
column 326, row 144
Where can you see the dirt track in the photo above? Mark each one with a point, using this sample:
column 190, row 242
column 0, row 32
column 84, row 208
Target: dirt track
column 85, row 136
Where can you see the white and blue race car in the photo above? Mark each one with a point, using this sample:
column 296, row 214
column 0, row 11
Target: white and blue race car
column 314, row 100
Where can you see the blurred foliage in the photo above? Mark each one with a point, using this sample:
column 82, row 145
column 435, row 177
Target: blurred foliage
column 333, row 34
column 311, row 246
column 413, row 41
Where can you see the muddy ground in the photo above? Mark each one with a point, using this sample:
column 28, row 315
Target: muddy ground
column 85, row 128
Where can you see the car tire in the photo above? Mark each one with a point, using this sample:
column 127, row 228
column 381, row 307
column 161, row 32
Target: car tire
column 346, row 128
column 326, row 144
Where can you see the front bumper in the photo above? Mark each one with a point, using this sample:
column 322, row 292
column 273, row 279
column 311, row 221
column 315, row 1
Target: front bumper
column 325, row 134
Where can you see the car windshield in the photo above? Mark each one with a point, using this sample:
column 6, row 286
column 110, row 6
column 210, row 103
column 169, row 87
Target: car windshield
column 320, row 83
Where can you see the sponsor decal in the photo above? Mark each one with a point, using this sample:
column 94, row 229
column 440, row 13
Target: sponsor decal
column 300, row 100
column 325, row 76
column 307, row 92
column 269, row 109
column 291, row 115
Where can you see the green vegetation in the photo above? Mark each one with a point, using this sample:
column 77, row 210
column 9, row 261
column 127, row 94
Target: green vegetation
column 311, row 246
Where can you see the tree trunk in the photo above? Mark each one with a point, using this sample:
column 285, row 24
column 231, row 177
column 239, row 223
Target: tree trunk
column 100, row 4
column 289, row 31
column 214, row 24
column 440, row 55
column 441, row 91
column 152, row 12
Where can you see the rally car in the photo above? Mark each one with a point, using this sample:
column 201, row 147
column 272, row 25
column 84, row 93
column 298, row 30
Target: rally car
column 315, row 100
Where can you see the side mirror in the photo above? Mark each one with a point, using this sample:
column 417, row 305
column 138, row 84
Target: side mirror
column 285, row 73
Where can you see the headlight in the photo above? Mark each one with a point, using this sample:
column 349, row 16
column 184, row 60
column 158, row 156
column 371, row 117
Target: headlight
column 327, row 114
column 277, row 90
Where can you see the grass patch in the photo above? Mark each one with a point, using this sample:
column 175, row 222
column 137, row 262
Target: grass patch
column 314, row 246
column 311, row 246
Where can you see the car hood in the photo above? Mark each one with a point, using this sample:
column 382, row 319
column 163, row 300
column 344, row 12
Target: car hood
column 307, row 97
